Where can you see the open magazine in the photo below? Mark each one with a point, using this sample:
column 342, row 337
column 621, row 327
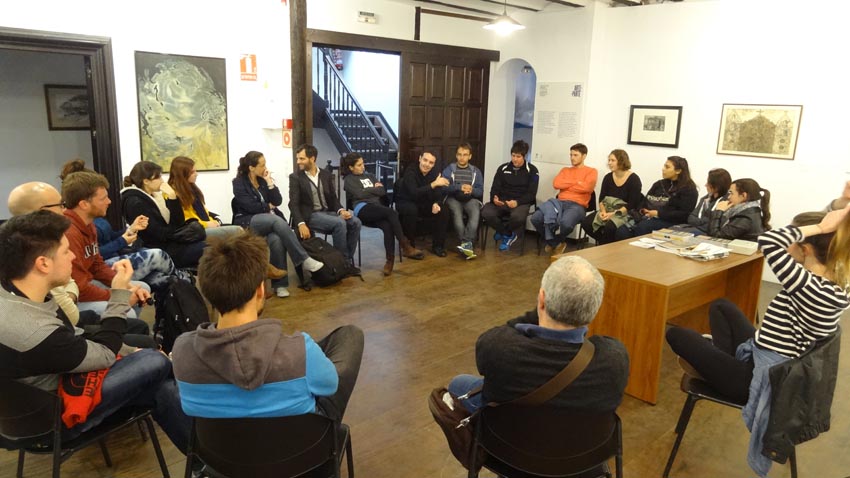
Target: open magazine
column 703, row 251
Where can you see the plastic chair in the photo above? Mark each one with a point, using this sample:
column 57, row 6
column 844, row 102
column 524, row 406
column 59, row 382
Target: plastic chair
column 308, row 445
column 700, row 390
column 545, row 441
column 31, row 422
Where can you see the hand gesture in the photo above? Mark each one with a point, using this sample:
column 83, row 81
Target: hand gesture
column 435, row 208
column 304, row 231
column 123, row 273
column 140, row 223
column 512, row 203
column 168, row 190
column 138, row 295
column 498, row 201
column 723, row 206
column 439, row 182
column 267, row 175
column 466, row 188
column 831, row 221
column 130, row 236
column 605, row 215
column 345, row 214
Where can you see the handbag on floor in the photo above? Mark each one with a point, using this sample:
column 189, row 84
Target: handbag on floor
column 455, row 420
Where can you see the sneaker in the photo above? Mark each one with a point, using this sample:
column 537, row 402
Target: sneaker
column 466, row 250
column 498, row 236
column 471, row 256
column 508, row 242
column 281, row 292
column 559, row 249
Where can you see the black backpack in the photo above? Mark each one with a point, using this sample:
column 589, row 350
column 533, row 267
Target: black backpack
column 180, row 308
column 336, row 267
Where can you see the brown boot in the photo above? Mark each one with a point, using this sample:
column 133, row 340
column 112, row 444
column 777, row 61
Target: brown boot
column 407, row 250
column 273, row 272
column 388, row 266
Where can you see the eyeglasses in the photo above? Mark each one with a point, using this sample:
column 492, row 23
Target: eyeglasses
column 59, row 204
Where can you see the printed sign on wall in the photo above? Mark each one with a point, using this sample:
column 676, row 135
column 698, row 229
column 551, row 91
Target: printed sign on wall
column 248, row 67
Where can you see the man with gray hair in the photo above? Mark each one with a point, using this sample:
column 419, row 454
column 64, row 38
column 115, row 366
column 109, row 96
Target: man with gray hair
column 520, row 356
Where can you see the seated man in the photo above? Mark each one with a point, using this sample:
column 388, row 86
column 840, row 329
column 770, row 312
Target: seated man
column 314, row 204
column 556, row 218
column 86, row 198
column 35, row 196
column 36, row 346
column 419, row 193
column 528, row 351
column 513, row 192
column 464, row 195
column 248, row 367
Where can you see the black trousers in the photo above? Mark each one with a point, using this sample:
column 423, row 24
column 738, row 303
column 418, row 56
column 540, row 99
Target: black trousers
column 385, row 219
column 603, row 235
column 505, row 220
column 409, row 214
column 344, row 347
column 715, row 359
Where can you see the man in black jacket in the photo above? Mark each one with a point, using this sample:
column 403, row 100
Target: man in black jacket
column 517, row 358
column 314, row 204
column 513, row 192
column 421, row 193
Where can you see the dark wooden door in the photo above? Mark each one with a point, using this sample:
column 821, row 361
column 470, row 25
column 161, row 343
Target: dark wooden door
column 443, row 103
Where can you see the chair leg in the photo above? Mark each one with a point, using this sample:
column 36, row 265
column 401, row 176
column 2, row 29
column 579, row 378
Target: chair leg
column 156, row 448
column 349, row 457
column 105, row 452
column 21, row 454
column 142, row 432
column 793, row 460
column 684, row 418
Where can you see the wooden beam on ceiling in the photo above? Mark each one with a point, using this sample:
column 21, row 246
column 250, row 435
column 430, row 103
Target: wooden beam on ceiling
column 468, row 9
column 568, row 4
column 455, row 15
column 502, row 4
column 628, row 3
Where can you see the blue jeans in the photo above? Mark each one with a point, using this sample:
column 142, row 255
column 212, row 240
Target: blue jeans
column 222, row 231
column 281, row 239
column 151, row 266
column 463, row 384
column 345, row 233
column 141, row 379
column 472, row 209
column 569, row 215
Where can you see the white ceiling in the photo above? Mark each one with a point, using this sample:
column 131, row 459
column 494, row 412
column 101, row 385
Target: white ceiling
column 490, row 8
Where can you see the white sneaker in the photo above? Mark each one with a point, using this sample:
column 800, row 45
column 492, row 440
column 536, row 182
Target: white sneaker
column 312, row 265
column 281, row 292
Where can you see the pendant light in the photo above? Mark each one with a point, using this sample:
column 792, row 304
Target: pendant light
column 503, row 24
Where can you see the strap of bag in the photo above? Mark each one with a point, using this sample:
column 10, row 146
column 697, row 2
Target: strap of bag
column 559, row 382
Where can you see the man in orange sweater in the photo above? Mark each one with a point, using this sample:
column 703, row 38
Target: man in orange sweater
column 556, row 218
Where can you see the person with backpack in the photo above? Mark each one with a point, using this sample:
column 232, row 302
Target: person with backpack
column 464, row 196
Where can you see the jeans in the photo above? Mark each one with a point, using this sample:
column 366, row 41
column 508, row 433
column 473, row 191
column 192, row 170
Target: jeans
column 569, row 215
column 472, row 209
column 345, row 232
column 344, row 347
column 505, row 220
column 463, row 384
column 281, row 239
column 141, row 379
column 151, row 266
column 222, row 231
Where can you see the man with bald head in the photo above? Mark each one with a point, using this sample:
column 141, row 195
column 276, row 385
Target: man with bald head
column 420, row 193
column 32, row 196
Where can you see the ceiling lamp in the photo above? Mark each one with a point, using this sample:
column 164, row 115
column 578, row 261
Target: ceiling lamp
column 503, row 24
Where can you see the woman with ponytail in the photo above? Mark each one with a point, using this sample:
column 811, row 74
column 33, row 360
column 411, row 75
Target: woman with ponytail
column 745, row 215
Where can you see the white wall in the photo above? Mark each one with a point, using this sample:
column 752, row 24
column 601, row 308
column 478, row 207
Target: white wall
column 373, row 79
column 190, row 27
column 30, row 150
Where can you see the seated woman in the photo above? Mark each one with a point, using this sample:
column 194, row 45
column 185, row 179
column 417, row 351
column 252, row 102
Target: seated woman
column 811, row 259
column 668, row 202
column 364, row 193
column 255, row 201
column 745, row 215
column 146, row 194
column 620, row 184
column 717, row 188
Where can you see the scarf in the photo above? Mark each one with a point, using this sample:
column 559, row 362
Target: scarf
column 738, row 209
column 157, row 199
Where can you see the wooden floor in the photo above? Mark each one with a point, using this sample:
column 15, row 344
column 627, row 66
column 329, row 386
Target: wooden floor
column 421, row 325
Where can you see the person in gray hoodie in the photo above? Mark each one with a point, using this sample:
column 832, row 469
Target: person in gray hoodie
column 244, row 366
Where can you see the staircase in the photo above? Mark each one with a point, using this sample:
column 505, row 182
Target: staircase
column 350, row 127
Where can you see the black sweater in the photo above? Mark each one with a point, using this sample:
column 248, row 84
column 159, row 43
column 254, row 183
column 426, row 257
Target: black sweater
column 135, row 202
column 518, row 184
column 629, row 191
column 514, row 364
column 415, row 187
column 679, row 201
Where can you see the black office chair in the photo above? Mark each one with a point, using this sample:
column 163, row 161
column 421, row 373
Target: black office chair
column 308, row 445
column 697, row 390
column 545, row 441
column 31, row 422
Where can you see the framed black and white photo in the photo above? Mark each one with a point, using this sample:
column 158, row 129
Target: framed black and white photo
column 655, row 125
column 67, row 107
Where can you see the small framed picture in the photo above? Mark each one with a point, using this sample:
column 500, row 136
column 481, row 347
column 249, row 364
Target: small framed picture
column 655, row 125
column 767, row 131
column 67, row 107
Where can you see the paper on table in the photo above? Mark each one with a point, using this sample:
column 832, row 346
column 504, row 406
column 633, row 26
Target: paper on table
column 646, row 243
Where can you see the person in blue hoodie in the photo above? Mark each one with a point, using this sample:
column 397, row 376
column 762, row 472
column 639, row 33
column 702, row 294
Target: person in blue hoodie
column 245, row 366
column 464, row 195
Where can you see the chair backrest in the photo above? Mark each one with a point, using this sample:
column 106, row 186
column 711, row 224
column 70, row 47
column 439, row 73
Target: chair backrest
column 549, row 441
column 26, row 411
column 260, row 447
column 233, row 210
column 592, row 205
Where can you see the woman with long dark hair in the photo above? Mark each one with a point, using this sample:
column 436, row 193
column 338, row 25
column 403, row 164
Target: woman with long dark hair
column 717, row 188
column 255, row 201
column 667, row 203
column 745, row 215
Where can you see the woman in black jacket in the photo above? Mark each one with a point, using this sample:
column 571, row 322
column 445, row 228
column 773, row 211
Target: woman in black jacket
column 146, row 194
column 717, row 189
column 745, row 215
column 668, row 202
column 255, row 201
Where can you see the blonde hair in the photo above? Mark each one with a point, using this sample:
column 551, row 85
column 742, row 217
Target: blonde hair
column 838, row 259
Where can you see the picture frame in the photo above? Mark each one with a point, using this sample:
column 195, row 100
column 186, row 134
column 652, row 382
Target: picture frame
column 67, row 107
column 655, row 125
column 765, row 131
column 182, row 104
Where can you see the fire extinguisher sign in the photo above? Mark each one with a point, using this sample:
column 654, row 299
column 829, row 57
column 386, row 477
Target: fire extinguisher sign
column 248, row 67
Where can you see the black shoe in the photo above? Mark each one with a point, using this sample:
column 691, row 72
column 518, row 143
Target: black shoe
column 439, row 251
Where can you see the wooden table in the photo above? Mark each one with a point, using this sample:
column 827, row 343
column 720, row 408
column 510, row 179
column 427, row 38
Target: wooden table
column 645, row 288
